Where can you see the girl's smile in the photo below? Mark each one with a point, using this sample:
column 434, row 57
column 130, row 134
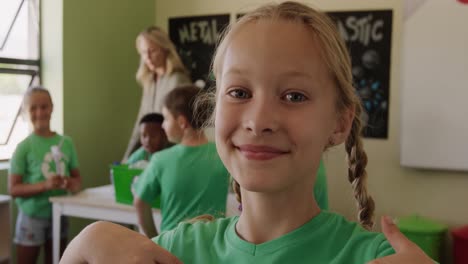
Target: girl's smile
column 260, row 152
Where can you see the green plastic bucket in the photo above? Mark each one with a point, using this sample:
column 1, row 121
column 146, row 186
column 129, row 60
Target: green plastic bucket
column 122, row 178
column 427, row 234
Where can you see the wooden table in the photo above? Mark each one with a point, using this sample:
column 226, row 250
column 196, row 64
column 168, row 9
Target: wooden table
column 99, row 203
column 94, row 203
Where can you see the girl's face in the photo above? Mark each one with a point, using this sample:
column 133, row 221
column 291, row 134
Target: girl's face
column 153, row 56
column 172, row 126
column 275, row 109
column 40, row 110
column 152, row 136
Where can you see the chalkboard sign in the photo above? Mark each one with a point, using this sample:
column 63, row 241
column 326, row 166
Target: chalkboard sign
column 195, row 38
column 368, row 35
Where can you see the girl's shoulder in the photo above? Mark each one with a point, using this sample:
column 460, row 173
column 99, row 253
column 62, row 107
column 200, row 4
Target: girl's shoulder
column 167, row 153
column 349, row 229
column 24, row 146
column 195, row 232
column 65, row 138
column 62, row 140
column 33, row 139
column 26, row 141
column 353, row 238
column 208, row 226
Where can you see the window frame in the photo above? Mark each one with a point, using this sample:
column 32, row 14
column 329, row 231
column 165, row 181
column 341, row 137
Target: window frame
column 14, row 66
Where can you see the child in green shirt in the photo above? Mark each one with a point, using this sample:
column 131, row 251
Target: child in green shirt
column 189, row 177
column 283, row 96
column 152, row 138
column 44, row 164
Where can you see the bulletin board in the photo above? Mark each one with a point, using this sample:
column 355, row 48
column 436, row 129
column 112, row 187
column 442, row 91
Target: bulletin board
column 434, row 87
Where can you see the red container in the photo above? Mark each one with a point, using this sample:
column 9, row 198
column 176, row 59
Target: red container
column 460, row 245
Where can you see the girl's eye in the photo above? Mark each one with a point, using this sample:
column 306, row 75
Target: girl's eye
column 295, row 97
column 239, row 93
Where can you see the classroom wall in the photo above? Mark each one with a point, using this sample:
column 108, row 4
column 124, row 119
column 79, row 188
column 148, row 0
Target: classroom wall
column 397, row 191
column 100, row 94
column 3, row 181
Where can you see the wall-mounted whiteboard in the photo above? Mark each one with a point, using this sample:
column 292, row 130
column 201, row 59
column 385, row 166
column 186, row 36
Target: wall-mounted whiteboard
column 434, row 91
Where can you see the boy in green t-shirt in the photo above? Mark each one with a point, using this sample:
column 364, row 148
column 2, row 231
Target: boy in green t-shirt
column 44, row 164
column 189, row 177
column 152, row 138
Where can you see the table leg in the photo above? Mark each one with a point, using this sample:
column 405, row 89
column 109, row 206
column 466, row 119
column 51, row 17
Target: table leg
column 56, row 213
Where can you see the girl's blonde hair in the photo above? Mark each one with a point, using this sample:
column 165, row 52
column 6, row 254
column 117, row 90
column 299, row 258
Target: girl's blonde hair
column 338, row 61
column 173, row 62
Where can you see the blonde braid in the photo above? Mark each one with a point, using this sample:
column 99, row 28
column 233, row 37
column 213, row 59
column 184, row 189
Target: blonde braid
column 237, row 191
column 357, row 175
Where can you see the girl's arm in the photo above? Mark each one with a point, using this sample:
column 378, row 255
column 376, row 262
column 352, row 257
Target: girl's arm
column 145, row 217
column 104, row 242
column 17, row 188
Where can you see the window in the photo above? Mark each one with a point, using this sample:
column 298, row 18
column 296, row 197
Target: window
column 19, row 68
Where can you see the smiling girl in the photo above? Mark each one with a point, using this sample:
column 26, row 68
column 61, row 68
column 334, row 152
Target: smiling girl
column 284, row 95
column 44, row 164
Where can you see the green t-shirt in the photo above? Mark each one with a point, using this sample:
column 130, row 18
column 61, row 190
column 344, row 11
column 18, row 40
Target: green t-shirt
column 191, row 181
column 321, row 188
column 138, row 155
column 328, row 238
column 33, row 160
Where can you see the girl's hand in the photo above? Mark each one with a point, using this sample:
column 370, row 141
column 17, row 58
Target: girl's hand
column 73, row 183
column 406, row 251
column 54, row 182
column 104, row 242
column 70, row 184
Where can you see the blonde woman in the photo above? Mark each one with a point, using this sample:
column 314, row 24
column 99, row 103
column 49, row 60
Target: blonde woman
column 160, row 71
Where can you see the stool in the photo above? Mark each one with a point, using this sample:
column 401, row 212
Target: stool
column 425, row 233
column 460, row 245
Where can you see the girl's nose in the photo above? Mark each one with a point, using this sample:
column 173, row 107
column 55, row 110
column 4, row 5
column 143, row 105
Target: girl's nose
column 259, row 118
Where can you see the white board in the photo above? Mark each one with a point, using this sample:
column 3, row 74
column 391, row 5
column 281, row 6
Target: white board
column 434, row 90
